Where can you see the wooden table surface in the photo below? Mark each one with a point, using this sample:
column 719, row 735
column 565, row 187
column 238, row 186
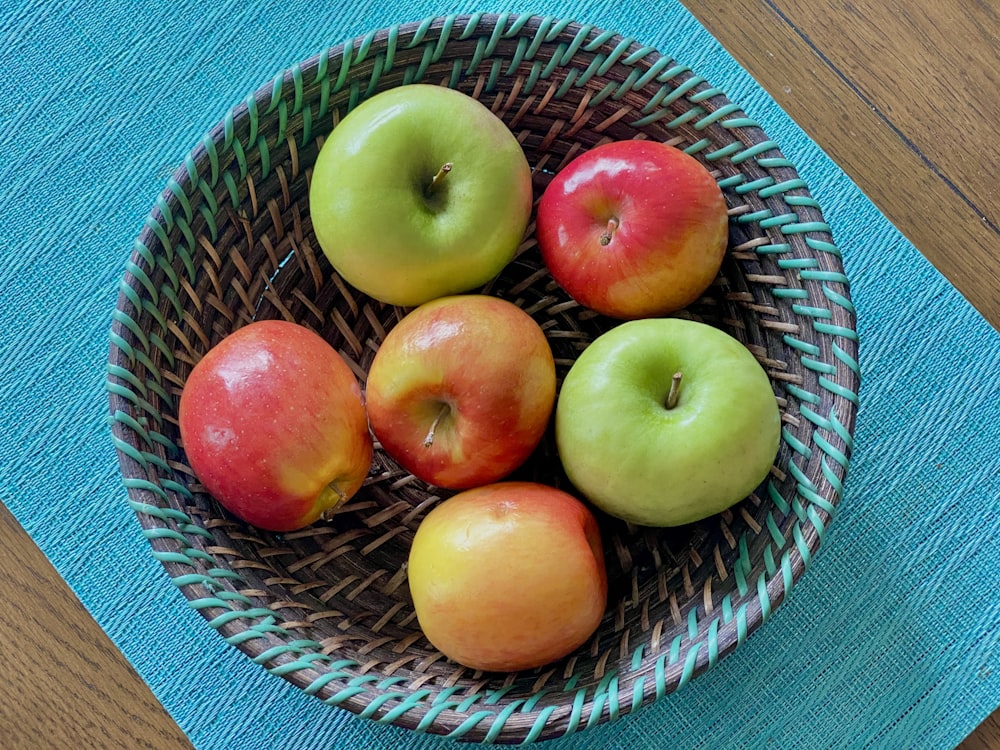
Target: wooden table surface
column 903, row 95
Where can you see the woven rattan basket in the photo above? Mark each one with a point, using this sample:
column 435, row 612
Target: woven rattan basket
column 328, row 608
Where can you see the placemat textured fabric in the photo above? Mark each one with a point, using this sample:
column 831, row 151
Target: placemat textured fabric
column 889, row 641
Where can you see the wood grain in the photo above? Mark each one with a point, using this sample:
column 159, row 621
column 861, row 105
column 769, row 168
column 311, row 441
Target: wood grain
column 904, row 96
column 65, row 684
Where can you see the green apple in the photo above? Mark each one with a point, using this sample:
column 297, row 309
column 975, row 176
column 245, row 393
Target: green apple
column 418, row 193
column 665, row 421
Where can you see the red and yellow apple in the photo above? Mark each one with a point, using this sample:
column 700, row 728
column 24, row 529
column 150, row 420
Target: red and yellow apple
column 508, row 576
column 461, row 390
column 633, row 229
column 273, row 424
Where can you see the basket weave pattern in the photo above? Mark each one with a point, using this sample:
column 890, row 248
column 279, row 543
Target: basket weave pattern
column 328, row 608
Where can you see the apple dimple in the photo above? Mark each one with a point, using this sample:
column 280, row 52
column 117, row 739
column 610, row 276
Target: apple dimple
column 504, row 508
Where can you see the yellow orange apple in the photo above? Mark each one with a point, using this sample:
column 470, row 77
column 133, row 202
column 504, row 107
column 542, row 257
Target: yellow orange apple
column 508, row 576
column 461, row 390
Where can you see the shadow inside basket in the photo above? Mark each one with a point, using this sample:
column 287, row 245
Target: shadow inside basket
column 342, row 583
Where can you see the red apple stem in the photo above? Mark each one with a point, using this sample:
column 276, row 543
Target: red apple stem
column 436, row 179
column 429, row 440
column 675, row 390
column 330, row 512
column 609, row 232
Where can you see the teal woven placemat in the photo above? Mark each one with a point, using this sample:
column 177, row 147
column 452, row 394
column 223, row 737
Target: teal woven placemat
column 889, row 641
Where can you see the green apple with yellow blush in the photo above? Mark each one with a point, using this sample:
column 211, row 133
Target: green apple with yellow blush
column 420, row 192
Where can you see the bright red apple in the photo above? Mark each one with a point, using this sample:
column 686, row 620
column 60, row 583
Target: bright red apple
column 461, row 390
column 273, row 423
column 633, row 229
column 508, row 576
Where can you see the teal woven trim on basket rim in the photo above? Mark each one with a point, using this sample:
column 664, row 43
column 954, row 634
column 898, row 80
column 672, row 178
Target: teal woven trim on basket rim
column 190, row 194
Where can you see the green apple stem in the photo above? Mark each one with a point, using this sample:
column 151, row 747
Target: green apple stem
column 609, row 233
column 429, row 440
column 675, row 390
column 436, row 179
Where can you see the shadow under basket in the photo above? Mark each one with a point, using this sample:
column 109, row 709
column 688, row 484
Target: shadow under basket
column 230, row 241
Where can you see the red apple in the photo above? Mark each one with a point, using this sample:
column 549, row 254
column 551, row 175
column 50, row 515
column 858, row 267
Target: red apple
column 508, row 576
column 273, row 423
column 633, row 229
column 461, row 390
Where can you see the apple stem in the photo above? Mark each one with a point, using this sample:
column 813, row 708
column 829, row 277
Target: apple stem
column 675, row 390
column 429, row 440
column 330, row 512
column 436, row 179
column 609, row 232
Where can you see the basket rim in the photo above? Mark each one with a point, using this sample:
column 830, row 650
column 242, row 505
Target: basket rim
column 658, row 671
